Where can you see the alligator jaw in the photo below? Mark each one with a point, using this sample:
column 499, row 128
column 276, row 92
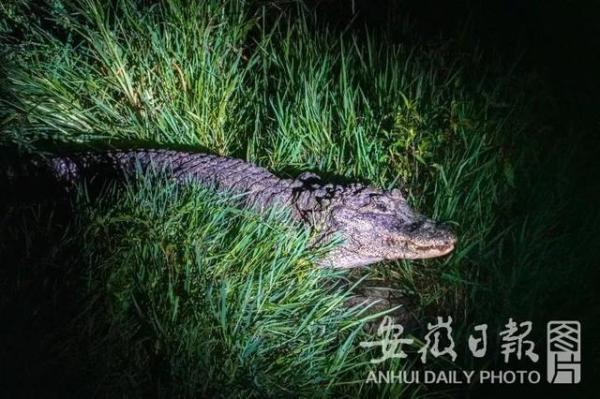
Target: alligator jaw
column 427, row 239
column 389, row 238
column 429, row 251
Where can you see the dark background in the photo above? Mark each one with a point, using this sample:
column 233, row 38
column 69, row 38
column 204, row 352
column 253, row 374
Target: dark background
column 558, row 42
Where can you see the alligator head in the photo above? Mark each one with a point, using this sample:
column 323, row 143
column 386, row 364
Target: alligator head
column 379, row 226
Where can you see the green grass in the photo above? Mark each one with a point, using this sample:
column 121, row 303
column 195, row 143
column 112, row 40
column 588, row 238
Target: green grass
column 217, row 304
column 183, row 293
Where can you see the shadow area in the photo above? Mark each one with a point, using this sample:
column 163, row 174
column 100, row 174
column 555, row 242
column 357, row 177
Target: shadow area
column 46, row 350
column 55, row 332
column 42, row 293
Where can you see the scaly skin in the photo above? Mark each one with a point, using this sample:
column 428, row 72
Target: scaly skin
column 374, row 225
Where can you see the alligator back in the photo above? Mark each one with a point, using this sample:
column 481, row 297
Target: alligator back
column 257, row 185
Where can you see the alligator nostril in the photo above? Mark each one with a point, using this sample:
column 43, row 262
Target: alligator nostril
column 415, row 226
column 443, row 226
column 445, row 231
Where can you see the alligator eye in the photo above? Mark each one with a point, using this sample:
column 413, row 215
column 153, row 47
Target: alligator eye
column 379, row 204
column 381, row 207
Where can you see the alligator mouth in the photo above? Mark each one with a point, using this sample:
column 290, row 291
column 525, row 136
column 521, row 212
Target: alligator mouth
column 432, row 251
column 412, row 250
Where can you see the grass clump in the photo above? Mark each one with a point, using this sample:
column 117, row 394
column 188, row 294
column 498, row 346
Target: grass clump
column 217, row 300
column 170, row 74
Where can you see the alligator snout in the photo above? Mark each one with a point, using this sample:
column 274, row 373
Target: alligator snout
column 431, row 239
column 421, row 239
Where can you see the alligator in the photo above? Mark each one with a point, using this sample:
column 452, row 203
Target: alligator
column 373, row 225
